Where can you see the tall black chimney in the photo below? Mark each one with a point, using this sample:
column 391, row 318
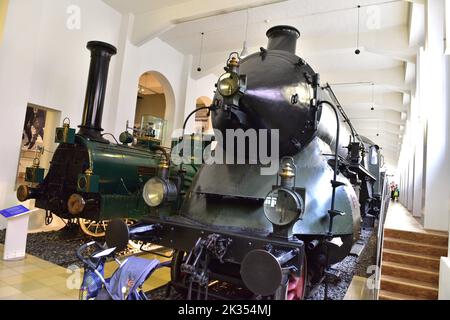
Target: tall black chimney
column 282, row 38
column 91, row 125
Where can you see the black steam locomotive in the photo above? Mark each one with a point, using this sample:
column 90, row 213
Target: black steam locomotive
column 273, row 235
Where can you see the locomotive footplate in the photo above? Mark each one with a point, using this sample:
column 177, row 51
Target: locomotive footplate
column 265, row 261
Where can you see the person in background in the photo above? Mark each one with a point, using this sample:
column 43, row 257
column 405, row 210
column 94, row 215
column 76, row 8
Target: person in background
column 392, row 190
column 396, row 193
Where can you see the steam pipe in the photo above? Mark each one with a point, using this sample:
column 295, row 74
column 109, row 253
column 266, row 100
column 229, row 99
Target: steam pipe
column 91, row 125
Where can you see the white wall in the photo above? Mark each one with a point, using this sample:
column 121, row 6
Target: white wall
column 45, row 63
column 196, row 88
column 425, row 155
column 169, row 67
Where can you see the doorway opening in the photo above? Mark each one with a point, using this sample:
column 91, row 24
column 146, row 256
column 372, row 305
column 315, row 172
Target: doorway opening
column 203, row 122
column 150, row 118
column 38, row 139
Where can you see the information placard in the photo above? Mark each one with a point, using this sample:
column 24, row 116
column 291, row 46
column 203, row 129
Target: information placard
column 14, row 211
column 16, row 231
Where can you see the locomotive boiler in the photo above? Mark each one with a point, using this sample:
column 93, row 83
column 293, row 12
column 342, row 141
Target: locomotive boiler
column 91, row 179
column 274, row 234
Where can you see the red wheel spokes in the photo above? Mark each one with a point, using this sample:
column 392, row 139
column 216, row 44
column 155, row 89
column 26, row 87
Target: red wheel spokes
column 296, row 285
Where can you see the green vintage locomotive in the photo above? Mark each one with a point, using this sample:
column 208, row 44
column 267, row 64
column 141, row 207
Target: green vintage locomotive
column 91, row 179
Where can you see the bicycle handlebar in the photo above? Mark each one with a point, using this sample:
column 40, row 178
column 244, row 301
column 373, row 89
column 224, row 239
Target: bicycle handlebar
column 85, row 260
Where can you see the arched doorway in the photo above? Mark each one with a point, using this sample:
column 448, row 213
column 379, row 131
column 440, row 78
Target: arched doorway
column 150, row 116
column 202, row 119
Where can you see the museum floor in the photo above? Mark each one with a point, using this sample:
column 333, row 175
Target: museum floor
column 37, row 279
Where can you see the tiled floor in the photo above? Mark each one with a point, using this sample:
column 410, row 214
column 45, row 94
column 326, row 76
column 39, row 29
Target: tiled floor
column 358, row 290
column 399, row 218
column 36, row 279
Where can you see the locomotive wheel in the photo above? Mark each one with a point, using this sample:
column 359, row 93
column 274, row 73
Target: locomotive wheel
column 297, row 285
column 97, row 229
column 175, row 270
column 93, row 228
column 137, row 245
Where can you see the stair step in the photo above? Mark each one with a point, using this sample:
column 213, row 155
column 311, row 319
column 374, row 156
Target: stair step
column 414, row 247
column 410, row 272
column 388, row 295
column 432, row 238
column 415, row 288
column 413, row 259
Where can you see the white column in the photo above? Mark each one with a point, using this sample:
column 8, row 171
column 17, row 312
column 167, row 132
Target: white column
column 410, row 159
column 120, row 87
column 437, row 187
column 418, row 160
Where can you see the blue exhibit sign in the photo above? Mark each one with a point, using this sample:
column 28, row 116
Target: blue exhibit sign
column 14, row 211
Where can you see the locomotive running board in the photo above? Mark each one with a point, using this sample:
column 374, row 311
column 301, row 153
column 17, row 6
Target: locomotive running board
column 181, row 236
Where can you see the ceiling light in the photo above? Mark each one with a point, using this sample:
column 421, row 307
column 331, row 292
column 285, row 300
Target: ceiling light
column 244, row 52
column 357, row 51
column 199, row 68
column 373, row 97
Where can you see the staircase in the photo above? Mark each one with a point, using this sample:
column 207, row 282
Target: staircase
column 410, row 265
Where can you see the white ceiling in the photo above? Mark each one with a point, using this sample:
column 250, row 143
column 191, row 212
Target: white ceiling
column 327, row 43
column 141, row 6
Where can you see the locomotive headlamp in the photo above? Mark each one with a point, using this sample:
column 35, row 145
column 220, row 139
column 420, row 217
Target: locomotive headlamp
column 157, row 190
column 34, row 174
column 283, row 206
column 65, row 134
column 228, row 84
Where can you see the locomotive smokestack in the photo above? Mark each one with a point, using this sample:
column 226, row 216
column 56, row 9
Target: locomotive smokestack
column 91, row 126
column 282, row 38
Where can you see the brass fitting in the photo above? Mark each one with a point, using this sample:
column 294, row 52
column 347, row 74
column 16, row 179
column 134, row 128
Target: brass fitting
column 287, row 172
column 163, row 164
column 287, row 175
column 233, row 62
column 36, row 163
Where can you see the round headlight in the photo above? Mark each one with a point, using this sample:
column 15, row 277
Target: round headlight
column 283, row 206
column 228, row 84
column 154, row 192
